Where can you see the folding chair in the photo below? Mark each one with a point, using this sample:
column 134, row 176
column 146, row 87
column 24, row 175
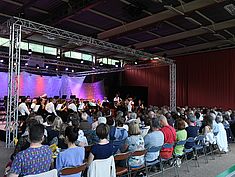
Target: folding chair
column 176, row 156
column 170, row 160
column 188, row 151
column 73, row 170
column 200, row 146
column 120, row 171
column 150, row 164
column 139, row 168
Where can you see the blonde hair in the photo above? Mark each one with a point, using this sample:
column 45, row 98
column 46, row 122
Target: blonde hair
column 57, row 123
column 134, row 128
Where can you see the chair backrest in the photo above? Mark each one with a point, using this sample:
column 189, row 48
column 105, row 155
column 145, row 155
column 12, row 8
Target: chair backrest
column 181, row 143
column 73, row 170
column 51, row 173
column 122, row 156
column 102, row 167
column 190, row 140
column 139, row 152
column 167, row 145
column 154, row 149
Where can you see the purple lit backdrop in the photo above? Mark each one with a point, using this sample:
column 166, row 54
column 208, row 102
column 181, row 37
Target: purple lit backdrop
column 36, row 85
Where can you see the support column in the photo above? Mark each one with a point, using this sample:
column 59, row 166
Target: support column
column 13, row 84
column 172, row 71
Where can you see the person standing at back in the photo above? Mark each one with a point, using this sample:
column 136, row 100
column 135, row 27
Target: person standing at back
column 34, row 160
column 169, row 137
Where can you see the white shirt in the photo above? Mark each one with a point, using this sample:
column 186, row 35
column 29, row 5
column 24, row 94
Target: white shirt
column 81, row 106
column 58, row 107
column 50, row 108
column 117, row 99
column 73, row 107
column 23, row 109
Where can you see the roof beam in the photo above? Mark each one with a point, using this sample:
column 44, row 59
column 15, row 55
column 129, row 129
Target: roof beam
column 191, row 6
column 106, row 16
column 22, row 5
column 186, row 34
column 197, row 47
column 84, row 24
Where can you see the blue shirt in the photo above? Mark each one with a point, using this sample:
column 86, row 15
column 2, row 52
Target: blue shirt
column 155, row 138
column 71, row 157
column 32, row 161
column 102, row 151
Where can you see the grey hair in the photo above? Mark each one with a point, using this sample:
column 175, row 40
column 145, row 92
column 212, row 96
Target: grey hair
column 156, row 123
column 133, row 115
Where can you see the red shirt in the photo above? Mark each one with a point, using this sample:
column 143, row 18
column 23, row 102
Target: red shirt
column 169, row 137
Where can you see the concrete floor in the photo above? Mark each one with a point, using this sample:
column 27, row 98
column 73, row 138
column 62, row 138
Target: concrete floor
column 213, row 168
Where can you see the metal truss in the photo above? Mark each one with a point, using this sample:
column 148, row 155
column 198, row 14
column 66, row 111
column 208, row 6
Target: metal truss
column 13, row 85
column 172, row 69
column 73, row 37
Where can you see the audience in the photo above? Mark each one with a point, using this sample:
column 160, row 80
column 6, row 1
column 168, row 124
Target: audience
column 154, row 138
column 104, row 149
column 134, row 142
column 74, row 155
column 122, row 129
column 169, row 137
column 34, row 160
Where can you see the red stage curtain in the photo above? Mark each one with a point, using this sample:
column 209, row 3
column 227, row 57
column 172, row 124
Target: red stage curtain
column 156, row 79
column 206, row 79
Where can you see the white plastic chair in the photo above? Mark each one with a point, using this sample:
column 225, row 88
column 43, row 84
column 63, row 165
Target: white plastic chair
column 51, row 173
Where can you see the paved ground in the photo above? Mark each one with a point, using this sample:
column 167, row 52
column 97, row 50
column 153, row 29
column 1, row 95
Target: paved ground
column 212, row 169
column 4, row 157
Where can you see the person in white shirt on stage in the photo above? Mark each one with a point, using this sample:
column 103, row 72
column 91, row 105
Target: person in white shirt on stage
column 72, row 106
column 50, row 108
column 117, row 99
column 23, row 109
column 105, row 100
column 81, row 105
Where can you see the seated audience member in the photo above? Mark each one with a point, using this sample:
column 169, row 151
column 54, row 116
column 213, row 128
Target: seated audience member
column 81, row 140
column 169, row 137
column 34, row 160
column 154, row 138
column 208, row 129
column 192, row 130
column 118, row 134
column 55, row 129
column 181, row 134
column 74, row 155
column 221, row 137
column 60, row 141
column 133, row 143
column 84, row 124
column 147, row 124
column 103, row 149
column 215, row 127
column 23, row 142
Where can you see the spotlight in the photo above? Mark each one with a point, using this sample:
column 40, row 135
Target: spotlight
column 58, row 56
column 72, row 71
column 66, row 69
column 1, row 61
column 47, row 67
column 101, row 63
column 14, row 64
column 136, row 62
column 56, row 69
column 93, row 67
column 26, row 64
column 37, row 66
column 117, row 64
column 82, row 61
column 29, row 52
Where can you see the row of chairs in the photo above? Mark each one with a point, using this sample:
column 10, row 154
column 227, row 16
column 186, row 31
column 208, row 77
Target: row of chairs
column 200, row 147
